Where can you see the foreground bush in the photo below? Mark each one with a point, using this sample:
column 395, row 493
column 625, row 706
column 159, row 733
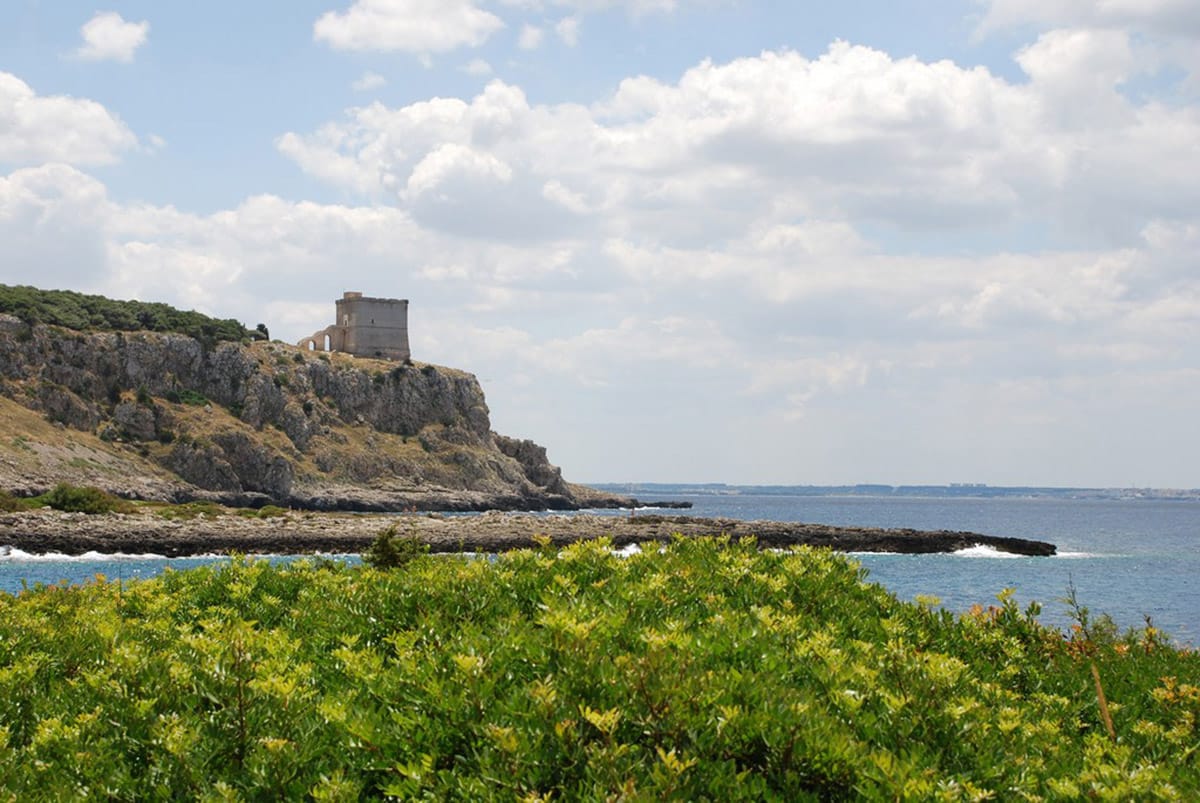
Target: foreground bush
column 707, row 671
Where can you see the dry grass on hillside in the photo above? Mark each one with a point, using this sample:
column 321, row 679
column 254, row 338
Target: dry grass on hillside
column 36, row 454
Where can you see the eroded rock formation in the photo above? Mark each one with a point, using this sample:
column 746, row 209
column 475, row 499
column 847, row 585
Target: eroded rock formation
column 263, row 422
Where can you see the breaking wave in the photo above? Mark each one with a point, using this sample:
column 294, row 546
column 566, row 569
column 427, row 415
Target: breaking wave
column 9, row 554
column 984, row 551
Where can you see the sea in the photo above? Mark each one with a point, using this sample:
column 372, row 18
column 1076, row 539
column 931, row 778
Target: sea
column 1136, row 560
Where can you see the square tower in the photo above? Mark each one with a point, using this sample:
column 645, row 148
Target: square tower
column 365, row 327
column 373, row 327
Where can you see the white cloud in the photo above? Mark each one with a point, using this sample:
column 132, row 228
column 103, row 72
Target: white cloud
column 368, row 81
column 530, row 37
column 477, row 67
column 556, row 191
column 919, row 146
column 1077, row 58
column 1167, row 32
column 567, row 29
column 1162, row 16
column 451, row 162
column 779, row 137
column 57, row 128
column 803, row 327
column 108, row 37
column 413, row 26
column 758, row 176
column 53, row 220
column 795, row 256
column 1078, row 73
column 633, row 7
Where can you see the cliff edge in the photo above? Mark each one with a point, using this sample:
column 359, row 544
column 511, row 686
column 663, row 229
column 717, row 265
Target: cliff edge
column 166, row 416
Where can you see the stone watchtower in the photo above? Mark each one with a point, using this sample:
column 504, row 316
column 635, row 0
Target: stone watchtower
column 365, row 327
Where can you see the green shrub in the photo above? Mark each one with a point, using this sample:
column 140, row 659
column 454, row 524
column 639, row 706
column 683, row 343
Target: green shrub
column 10, row 503
column 189, row 510
column 188, row 396
column 390, row 550
column 705, row 671
column 264, row 512
column 85, row 499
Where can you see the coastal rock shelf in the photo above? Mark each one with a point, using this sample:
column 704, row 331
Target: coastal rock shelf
column 46, row 531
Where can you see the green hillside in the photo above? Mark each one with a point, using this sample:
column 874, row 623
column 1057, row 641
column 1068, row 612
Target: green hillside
column 96, row 313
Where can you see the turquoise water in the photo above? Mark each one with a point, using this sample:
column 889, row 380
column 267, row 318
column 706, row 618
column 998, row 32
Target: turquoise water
column 1127, row 558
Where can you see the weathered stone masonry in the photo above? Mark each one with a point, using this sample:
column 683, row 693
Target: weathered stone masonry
column 365, row 327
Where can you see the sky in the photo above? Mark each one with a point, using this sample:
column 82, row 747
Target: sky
column 744, row 241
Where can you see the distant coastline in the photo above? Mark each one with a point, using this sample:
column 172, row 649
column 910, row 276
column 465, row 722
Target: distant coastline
column 954, row 490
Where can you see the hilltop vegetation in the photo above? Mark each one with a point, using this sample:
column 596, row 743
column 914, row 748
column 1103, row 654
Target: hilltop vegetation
column 707, row 670
column 84, row 313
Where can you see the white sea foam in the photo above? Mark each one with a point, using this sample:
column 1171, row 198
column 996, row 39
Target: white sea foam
column 627, row 550
column 9, row 554
column 1078, row 555
column 984, row 551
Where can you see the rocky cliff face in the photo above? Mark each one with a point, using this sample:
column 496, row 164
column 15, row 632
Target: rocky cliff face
column 264, row 422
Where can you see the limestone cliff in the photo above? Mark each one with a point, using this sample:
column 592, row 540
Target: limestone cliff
column 165, row 416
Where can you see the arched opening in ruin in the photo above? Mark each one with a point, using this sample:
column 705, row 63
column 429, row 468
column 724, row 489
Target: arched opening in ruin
column 327, row 342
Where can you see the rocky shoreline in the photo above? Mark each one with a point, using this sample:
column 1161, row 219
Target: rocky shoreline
column 146, row 532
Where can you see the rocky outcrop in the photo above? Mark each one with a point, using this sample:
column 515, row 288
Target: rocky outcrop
column 271, row 422
column 75, row 533
column 533, row 461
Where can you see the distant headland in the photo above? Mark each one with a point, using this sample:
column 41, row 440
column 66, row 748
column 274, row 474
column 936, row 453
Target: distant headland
column 958, row 489
column 149, row 402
